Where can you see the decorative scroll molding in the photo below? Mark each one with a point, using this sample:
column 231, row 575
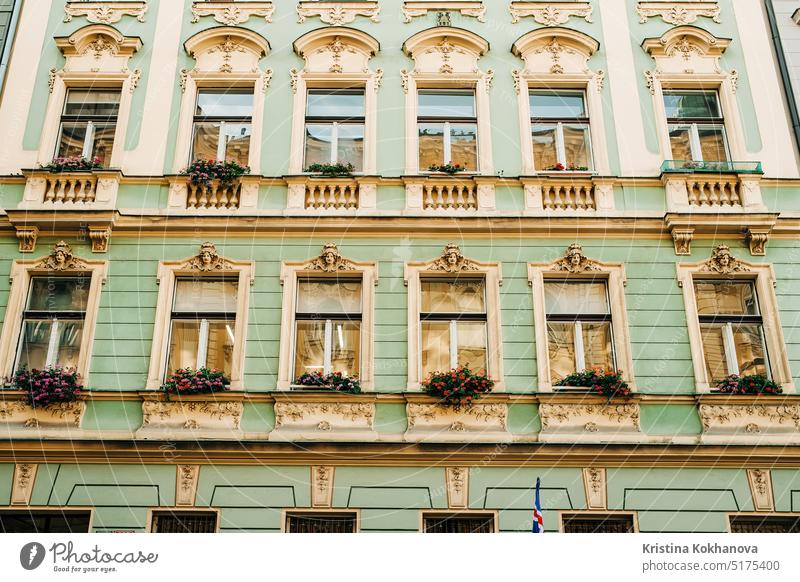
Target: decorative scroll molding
column 17, row 414
column 589, row 422
column 323, row 421
column 594, row 484
column 473, row 8
column 105, row 12
column 95, row 48
column 682, row 238
column 750, row 423
column 760, row 482
column 336, row 50
column 723, row 262
column 191, row 415
column 757, row 239
column 550, row 13
column 187, row 477
column 477, row 423
column 207, row 260
column 99, row 235
column 330, row 261
column 457, row 480
column 232, row 14
column 557, row 51
column 574, row 261
column 678, row 13
column 27, row 236
column 226, row 49
column 338, row 13
column 22, row 484
column 61, row 258
column 686, row 50
column 452, row 261
column 322, row 485
column 446, row 51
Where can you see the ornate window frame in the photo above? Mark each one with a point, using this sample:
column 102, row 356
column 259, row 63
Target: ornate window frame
column 723, row 265
column 96, row 55
column 452, row 262
column 335, row 58
column 207, row 262
column 557, row 58
column 60, row 261
column 328, row 263
column 447, row 58
column 225, row 57
column 576, row 265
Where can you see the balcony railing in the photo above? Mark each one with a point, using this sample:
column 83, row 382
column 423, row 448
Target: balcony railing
column 94, row 190
column 693, row 186
column 724, row 167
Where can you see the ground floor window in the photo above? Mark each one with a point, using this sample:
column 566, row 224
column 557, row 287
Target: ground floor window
column 321, row 522
column 48, row 521
column 184, row 522
column 597, row 523
column 765, row 523
column 458, row 523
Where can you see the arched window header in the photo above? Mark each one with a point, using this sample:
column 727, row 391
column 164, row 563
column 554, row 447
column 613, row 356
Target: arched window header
column 97, row 48
column 555, row 51
column 227, row 49
column 445, row 50
column 686, row 50
column 336, row 50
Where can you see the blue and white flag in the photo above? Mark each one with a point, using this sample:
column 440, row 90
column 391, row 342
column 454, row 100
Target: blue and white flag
column 538, row 519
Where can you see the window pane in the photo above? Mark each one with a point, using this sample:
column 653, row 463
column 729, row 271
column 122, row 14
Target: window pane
column 449, row 104
column 341, row 104
column 681, row 142
column 714, row 351
column 73, row 136
column 712, row 143
column 309, row 347
column 59, row 293
column 91, row 103
column 198, row 296
column 346, row 347
column 222, row 103
column 472, row 344
column 459, row 524
column 598, row 524
column 443, row 296
column 321, row 523
column 749, row 342
column 691, row 104
column 597, row 352
column 220, row 346
column 183, row 345
column 205, row 141
column 237, row 143
column 103, row 142
column 69, row 343
column 189, row 522
column 464, row 145
column 351, row 145
column 725, row 298
column 568, row 298
column 557, row 105
column 545, row 154
column 576, row 145
column 319, row 140
column 435, row 347
column 431, row 145
column 34, row 343
column 561, row 349
column 329, row 296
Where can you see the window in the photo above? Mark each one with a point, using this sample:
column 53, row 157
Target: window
column 765, row 523
column 335, row 128
column 560, row 126
column 458, row 523
column 42, row 521
column 184, row 522
column 88, row 124
column 579, row 335
column 328, row 326
column 448, row 128
column 731, row 328
column 319, row 522
column 223, row 125
column 453, row 324
column 696, row 126
column 53, row 322
column 597, row 523
column 203, row 320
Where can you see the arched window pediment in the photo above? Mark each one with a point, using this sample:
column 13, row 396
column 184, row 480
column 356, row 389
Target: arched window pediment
column 336, row 50
column 555, row 51
column 227, row 49
column 97, row 48
column 686, row 50
column 445, row 50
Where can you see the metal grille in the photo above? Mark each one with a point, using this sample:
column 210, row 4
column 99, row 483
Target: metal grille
column 44, row 521
column 765, row 524
column 459, row 523
column 598, row 524
column 321, row 523
column 188, row 522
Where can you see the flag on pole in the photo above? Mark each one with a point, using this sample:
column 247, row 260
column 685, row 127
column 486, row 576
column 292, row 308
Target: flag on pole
column 538, row 519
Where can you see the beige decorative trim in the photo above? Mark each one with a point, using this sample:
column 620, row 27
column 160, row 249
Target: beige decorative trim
column 206, row 262
column 322, row 479
column 576, row 194
column 476, row 423
column 105, row 12
column 723, row 265
column 27, row 236
column 682, row 237
column 232, row 14
column 17, row 416
column 757, row 239
column 589, row 423
column 474, row 8
column 760, row 482
column 78, row 191
column 678, row 13
column 238, row 197
column 550, row 13
column 308, row 420
column 457, row 480
column 190, row 419
column 575, row 264
column 186, row 479
column 450, row 195
column 319, row 195
column 337, row 13
column 753, row 424
column 22, row 483
column 99, row 236
column 594, row 484
column 329, row 262
column 720, row 193
column 453, row 262
column 61, row 260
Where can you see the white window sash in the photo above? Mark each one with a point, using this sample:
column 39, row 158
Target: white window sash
column 88, row 140
column 561, row 150
column 52, row 344
column 327, row 364
column 202, row 344
column 453, row 343
column 730, row 349
column 580, row 356
column 694, row 143
column 447, row 150
column 221, row 142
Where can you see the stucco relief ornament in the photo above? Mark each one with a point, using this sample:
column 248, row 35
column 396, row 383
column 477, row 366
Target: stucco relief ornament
column 723, row 262
column 227, row 48
column 337, row 48
column 452, row 261
column 574, row 261
column 330, row 261
column 61, row 259
column 555, row 49
column 207, row 260
column 551, row 14
column 100, row 46
column 679, row 13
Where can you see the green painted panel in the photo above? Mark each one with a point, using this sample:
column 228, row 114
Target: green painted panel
column 682, row 521
column 669, row 419
column 495, row 488
column 390, row 520
column 141, row 495
column 112, row 485
column 253, row 496
column 786, row 489
column 251, row 519
column 6, row 480
column 391, row 497
column 258, row 417
column 390, row 418
column 524, row 419
column 215, row 480
column 389, row 487
column 112, row 415
column 119, row 518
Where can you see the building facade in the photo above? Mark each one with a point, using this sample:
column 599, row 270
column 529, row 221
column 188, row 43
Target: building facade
column 626, row 199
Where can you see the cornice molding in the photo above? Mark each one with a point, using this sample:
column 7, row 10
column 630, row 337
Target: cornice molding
column 550, row 13
column 105, row 12
column 338, row 13
column 678, row 13
column 232, row 14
